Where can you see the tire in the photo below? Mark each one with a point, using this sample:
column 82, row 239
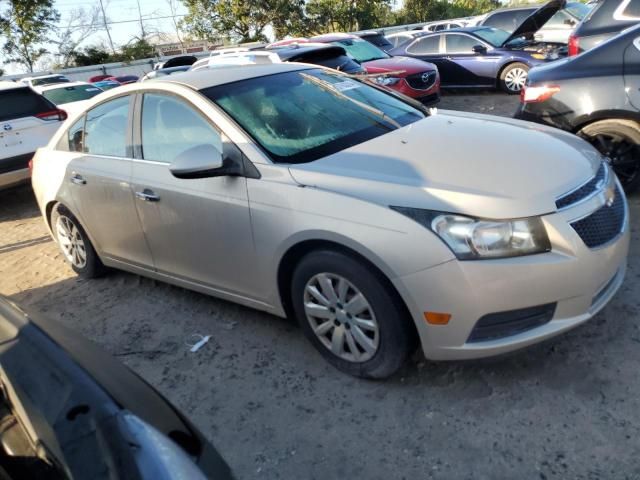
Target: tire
column 74, row 243
column 392, row 336
column 513, row 77
column 619, row 140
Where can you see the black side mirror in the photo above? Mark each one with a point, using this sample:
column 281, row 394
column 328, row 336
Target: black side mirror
column 204, row 161
column 479, row 49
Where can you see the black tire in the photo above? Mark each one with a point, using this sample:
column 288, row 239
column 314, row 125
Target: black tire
column 92, row 267
column 509, row 69
column 619, row 140
column 396, row 332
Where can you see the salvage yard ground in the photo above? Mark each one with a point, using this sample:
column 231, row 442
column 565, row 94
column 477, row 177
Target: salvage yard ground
column 566, row 409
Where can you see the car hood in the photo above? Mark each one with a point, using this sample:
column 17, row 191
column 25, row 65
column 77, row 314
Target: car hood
column 536, row 20
column 478, row 165
column 394, row 64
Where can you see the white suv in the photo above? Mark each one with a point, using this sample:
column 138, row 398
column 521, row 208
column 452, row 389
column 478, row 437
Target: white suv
column 27, row 122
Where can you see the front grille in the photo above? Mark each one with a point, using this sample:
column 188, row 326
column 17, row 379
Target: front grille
column 584, row 191
column 506, row 324
column 603, row 225
column 422, row 81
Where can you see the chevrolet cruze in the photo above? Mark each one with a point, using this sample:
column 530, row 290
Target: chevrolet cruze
column 376, row 223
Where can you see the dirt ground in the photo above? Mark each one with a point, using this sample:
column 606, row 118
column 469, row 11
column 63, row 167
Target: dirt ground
column 565, row 409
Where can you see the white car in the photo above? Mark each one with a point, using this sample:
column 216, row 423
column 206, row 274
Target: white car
column 42, row 80
column 71, row 97
column 236, row 57
column 27, row 122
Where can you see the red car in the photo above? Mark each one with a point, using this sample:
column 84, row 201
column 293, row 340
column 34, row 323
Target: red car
column 414, row 78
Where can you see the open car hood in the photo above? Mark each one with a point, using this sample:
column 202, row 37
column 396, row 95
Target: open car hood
column 536, row 20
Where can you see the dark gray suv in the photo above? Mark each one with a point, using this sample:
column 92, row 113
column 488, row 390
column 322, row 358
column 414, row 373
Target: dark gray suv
column 607, row 19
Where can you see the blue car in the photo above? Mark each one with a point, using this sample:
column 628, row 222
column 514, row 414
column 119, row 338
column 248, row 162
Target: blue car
column 485, row 56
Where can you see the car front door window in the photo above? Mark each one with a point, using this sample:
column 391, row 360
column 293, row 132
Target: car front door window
column 459, row 44
column 425, row 46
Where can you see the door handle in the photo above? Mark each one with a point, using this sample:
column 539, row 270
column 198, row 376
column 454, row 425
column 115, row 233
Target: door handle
column 77, row 179
column 147, row 196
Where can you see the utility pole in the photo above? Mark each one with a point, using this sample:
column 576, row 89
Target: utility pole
column 106, row 27
column 144, row 35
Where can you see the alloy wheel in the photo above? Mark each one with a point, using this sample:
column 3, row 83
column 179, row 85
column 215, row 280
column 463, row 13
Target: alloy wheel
column 341, row 317
column 71, row 242
column 623, row 154
column 515, row 79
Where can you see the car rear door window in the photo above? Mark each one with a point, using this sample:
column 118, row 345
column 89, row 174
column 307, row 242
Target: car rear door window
column 425, row 46
column 75, row 136
column 632, row 11
column 170, row 127
column 22, row 102
column 106, row 128
column 456, row 43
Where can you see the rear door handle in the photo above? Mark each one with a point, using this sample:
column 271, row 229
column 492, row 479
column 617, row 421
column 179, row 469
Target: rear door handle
column 147, row 196
column 78, row 179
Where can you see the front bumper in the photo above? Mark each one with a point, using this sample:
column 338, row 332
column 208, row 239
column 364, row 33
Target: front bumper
column 579, row 280
column 429, row 96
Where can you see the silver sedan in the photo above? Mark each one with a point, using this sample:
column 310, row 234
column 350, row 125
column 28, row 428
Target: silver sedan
column 378, row 224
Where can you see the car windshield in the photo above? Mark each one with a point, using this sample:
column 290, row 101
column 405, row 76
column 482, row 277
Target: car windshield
column 361, row 50
column 74, row 93
column 578, row 10
column 494, row 36
column 305, row 115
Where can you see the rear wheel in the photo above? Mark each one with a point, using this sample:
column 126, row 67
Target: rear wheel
column 618, row 140
column 348, row 313
column 75, row 244
column 514, row 77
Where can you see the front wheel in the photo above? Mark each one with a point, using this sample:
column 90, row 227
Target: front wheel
column 351, row 315
column 619, row 141
column 514, row 77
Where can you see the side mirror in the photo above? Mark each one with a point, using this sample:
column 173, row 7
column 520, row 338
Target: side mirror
column 479, row 49
column 203, row 161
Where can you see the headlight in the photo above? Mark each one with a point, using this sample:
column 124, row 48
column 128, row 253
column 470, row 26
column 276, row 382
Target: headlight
column 474, row 239
column 386, row 81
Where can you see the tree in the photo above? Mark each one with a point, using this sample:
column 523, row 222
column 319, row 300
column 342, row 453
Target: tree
column 137, row 49
column 416, row 11
column 95, row 55
column 348, row 16
column 79, row 25
column 25, row 26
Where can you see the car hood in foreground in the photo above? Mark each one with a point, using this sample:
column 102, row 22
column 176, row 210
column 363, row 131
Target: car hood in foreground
column 396, row 64
column 478, row 165
column 536, row 20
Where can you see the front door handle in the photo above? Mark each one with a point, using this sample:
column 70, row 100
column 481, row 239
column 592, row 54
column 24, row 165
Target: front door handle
column 78, row 179
column 147, row 196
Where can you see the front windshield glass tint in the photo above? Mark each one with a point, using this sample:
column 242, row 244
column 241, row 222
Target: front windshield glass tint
column 361, row 50
column 494, row 36
column 71, row 94
column 305, row 115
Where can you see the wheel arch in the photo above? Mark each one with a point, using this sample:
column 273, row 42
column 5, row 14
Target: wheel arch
column 297, row 251
column 49, row 213
column 584, row 120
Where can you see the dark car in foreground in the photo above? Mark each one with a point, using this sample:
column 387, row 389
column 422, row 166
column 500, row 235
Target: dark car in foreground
column 597, row 96
column 478, row 57
column 68, row 410
column 330, row 56
column 606, row 20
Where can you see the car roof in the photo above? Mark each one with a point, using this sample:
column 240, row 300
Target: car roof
column 206, row 78
column 332, row 37
column 289, row 51
column 54, row 86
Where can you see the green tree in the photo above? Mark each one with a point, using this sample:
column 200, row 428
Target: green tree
column 415, row 11
column 25, row 26
column 91, row 56
column 138, row 49
column 347, row 16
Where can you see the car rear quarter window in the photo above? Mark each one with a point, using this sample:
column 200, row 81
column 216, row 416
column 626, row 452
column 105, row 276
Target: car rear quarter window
column 106, row 128
column 455, row 43
column 425, row 46
column 22, row 102
column 632, row 10
column 170, row 127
